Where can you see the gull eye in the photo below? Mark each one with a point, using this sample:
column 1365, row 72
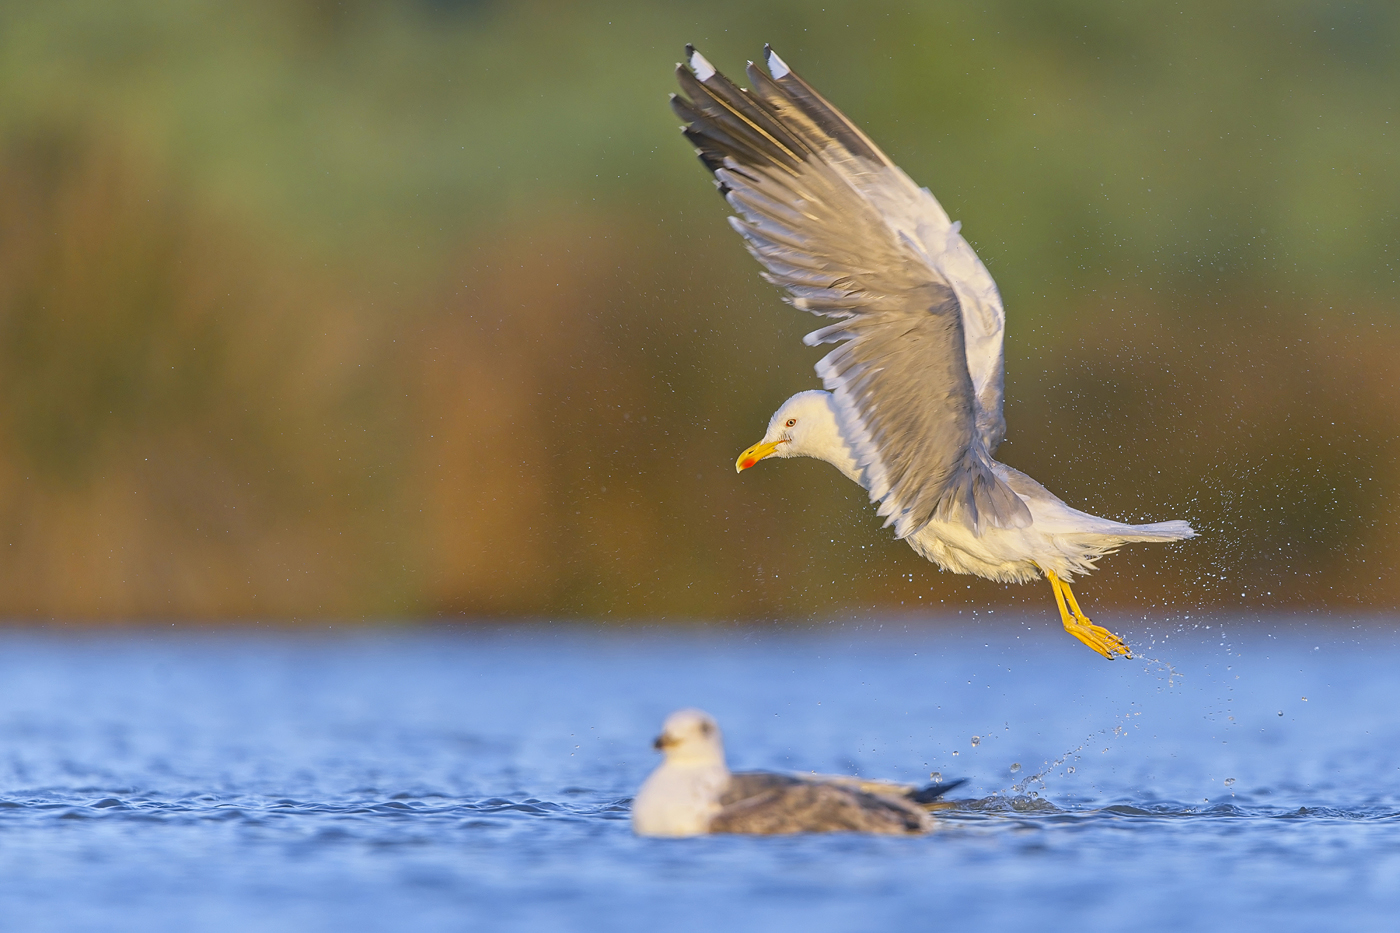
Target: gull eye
column 706, row 728
column 791, row 422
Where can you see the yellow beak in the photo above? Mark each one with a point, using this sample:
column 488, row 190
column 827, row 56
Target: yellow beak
column 754, row 454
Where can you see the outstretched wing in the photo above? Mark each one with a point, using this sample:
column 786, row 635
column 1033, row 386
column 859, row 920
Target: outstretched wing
column 918, row 374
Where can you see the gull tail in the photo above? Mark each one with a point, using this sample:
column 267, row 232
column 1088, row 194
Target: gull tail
column 1158, row 531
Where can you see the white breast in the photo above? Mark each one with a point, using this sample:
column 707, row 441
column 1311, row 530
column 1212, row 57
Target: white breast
column 679, row 800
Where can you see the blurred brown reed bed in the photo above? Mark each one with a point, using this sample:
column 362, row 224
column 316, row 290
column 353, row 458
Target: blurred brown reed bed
column 196, row 426
column 174, row 403
column 574, row 413
column 1272, row 424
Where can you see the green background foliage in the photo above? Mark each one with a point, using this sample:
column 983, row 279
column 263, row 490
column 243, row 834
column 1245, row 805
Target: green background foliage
column 363, row 310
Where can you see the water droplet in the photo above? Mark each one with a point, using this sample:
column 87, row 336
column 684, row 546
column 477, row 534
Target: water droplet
column 955, row 754
column 976, row 740
column 1229, row 781
column 1280, row 712
column 1015, row 766
column 936, row 777
column 1305, row 699
column 1070, row 769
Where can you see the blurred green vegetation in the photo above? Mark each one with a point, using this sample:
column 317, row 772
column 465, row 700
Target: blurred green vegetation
column 362, row 310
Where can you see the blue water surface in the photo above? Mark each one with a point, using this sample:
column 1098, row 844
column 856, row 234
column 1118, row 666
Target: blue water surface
column 479, row 779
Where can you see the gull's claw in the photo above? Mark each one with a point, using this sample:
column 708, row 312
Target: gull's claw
column 1099, row 638
column 1079, row 625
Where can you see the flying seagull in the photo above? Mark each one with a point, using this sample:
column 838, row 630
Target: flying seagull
column 912, row 410
column 693, row 792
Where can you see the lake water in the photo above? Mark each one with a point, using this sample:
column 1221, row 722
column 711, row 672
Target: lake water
column 475, row 779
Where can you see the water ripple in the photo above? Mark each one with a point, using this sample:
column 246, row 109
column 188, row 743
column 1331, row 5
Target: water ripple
column 435, row 782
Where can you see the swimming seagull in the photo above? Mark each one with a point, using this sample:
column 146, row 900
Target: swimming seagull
column 913, row 410
column 693, row 792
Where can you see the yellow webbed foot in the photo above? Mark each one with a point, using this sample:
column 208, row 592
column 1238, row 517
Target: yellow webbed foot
column 1099, row 638
column 1080, row 626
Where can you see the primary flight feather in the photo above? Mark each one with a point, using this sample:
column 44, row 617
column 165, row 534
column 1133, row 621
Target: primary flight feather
column 913, row 407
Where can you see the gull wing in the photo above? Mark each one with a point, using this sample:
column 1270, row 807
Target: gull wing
column 918, row 375
column 764, row 803
column 926, row 796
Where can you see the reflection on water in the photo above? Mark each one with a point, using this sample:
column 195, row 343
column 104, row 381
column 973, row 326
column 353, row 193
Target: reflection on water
column 444, row 780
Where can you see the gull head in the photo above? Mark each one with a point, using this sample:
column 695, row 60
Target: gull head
column 690, row 737
column 805, row 426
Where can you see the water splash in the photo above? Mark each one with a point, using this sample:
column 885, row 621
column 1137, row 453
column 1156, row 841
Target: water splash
column 1159, row 669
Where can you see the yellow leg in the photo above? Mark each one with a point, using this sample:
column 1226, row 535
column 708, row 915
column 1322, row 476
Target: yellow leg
column 1055, row 585
column 1077, row 623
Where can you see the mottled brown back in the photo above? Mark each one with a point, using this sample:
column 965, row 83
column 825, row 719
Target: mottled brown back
column 768, row 804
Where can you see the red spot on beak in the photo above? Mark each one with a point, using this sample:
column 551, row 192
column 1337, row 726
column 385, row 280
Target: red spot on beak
column 748, row 463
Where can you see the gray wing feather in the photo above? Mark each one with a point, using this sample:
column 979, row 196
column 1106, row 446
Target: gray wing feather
column 838, row 226
column 768, row 804
column 745, row 784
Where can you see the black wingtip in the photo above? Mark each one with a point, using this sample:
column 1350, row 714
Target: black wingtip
column 689, row 50
column 934, row 791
